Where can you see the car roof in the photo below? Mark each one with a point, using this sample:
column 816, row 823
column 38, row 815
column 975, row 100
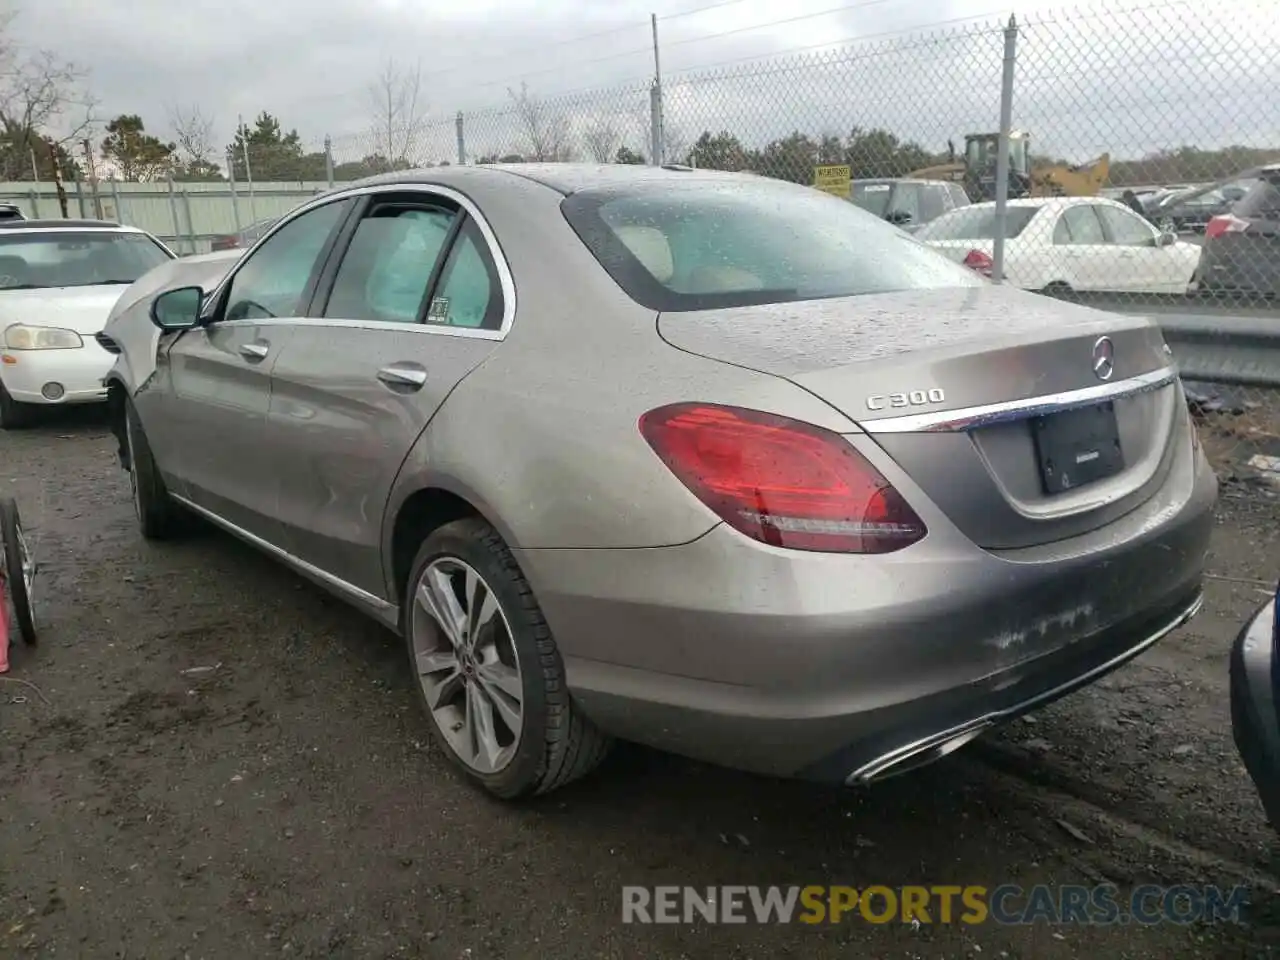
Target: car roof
column 29, row 225
column 913, row 180
column 1047, row 202
column 565, row 178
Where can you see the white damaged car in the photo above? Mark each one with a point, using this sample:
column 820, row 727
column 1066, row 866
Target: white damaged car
column 59, row 280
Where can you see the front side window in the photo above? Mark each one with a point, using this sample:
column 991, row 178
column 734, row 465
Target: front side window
column 709, row 243
column 386, row 269
column 75, row 258
column 1083, row 226
column 1126, row 228
column 277, row 277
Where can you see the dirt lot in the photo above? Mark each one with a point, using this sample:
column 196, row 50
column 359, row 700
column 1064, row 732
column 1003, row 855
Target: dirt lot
column 219, row 761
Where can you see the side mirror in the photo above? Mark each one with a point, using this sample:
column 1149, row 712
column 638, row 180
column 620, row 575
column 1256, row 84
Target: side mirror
column 1167, row 238
column 177, row 309
column 899, row 217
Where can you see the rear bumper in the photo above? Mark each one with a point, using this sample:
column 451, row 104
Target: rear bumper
column 1255, row 720
column 1230, row 266
column 829, row 667
column 79, row 372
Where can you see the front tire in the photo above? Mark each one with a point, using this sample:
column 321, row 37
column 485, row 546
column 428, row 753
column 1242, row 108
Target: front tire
column 488, row 671
column 13, row 415
column 159, row 516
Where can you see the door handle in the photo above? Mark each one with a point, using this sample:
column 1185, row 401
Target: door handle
column 403, row 375
column 254, row 352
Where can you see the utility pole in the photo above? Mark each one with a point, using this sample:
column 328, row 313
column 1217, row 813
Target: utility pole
column 93, row 178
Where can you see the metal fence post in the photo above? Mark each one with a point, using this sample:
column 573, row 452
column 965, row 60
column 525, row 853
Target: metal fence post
column 35, row 203
column 191, row 226
column 1002, row 151
column 115, row 198
column 462, row 139
column 173, row 212
column 231, row 184
column 84, row 214
column 328, row 160
column 655, row 125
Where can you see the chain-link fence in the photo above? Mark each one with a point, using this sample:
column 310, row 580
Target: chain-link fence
column 1138, row 148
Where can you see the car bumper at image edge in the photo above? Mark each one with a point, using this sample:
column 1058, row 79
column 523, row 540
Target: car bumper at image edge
column 1255, row 722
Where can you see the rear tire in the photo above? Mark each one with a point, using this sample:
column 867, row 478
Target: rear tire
column 1058, row 289
column 19, row 569
column 501, row 645
column 159, row 516
column 13, row 415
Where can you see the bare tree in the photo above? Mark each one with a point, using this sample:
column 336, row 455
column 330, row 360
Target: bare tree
column 601, row 138
column 44, row 103
column 193, row 135
column 546, row 130
column 399, row 115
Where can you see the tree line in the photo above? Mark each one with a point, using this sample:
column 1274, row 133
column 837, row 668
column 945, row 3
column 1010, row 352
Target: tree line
column 41, row 94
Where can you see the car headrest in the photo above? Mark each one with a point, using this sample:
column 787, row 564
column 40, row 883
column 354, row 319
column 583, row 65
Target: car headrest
column 649, row 246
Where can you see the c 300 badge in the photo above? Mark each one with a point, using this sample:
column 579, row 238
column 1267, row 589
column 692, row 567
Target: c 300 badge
column 912, row 398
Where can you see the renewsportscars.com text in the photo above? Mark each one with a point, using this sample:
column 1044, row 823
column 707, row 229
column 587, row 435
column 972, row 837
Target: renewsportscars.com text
column 945, row 904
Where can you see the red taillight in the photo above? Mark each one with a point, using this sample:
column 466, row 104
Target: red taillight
column 1227, row 223
column 782, row 482
column 979, row 261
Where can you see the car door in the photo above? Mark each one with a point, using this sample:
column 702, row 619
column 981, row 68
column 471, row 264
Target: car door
column 1081, row 258
column 1143, row 265
column 214, row 412
column 413, row 301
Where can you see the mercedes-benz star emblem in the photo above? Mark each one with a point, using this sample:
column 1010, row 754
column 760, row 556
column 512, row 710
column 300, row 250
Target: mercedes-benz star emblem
column 1104, row 358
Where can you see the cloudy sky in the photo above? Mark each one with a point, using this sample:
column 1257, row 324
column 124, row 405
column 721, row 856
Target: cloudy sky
column 1164, row 73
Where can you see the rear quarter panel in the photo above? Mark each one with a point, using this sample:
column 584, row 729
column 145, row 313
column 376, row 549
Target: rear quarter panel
column 543, row 437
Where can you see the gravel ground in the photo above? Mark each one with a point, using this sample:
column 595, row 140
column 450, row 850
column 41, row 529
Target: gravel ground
column 219, row 761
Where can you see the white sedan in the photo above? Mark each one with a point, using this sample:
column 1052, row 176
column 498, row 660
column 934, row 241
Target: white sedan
column 1060, row 244
column 58, row 282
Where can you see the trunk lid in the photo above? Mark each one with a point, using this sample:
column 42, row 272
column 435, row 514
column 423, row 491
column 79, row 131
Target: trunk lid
column 896, row 364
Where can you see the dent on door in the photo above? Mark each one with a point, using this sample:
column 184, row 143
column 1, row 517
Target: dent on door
column 221, row 396
column 347, row 407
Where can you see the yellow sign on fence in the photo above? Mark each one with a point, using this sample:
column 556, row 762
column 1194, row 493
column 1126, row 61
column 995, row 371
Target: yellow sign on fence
column 833, row 179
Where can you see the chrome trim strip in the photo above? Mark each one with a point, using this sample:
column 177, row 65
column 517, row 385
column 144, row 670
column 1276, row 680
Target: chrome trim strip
column 505, row 278
column 967, row 418
column 341, row 586
column 884, row 764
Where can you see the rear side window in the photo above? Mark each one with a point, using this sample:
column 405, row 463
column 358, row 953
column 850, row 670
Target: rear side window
column 977, row 223
column 709, row 243
column 1262, row 202
column 469, row 293
column 958, row 196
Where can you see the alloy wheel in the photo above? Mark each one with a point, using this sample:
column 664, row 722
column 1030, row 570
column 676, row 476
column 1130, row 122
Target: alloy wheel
column 467, row 664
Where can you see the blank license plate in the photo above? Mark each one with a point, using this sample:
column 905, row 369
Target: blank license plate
column 1077, row 447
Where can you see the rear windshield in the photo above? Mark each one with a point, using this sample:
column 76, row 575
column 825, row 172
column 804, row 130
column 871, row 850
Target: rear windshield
column 1262, row 201
column 873, row 197
column 707, row 244
column 976, row 223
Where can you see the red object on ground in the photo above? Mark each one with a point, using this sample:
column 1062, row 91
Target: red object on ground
column 4, row 630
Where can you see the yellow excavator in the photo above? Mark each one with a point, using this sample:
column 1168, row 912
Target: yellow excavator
column 977, row 172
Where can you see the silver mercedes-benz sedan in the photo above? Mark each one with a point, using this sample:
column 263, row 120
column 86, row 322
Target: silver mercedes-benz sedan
column 711, row 462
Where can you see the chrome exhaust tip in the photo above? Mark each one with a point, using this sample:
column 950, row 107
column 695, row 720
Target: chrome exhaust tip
column 918, row 754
